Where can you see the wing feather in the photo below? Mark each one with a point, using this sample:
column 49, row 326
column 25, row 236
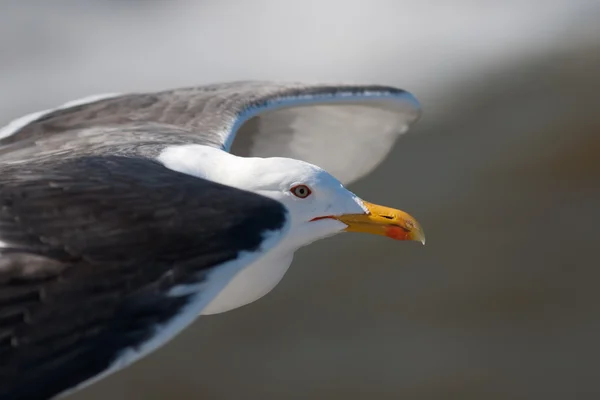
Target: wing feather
column 92, row 250
column 346, row 129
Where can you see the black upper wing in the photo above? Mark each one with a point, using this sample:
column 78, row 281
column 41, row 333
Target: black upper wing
column 91, row 246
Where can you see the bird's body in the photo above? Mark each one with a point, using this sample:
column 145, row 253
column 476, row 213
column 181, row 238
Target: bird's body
column 254, row 281
column 124, row 217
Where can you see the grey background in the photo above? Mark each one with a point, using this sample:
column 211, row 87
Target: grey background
column 503, row 171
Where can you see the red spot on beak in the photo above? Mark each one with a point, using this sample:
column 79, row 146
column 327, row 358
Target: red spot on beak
column 396, row 232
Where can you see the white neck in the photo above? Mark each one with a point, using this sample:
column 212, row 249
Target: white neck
column 257, row 279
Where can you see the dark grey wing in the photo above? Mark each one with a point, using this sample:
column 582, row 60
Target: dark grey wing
column 346, row 129
column 90, row 251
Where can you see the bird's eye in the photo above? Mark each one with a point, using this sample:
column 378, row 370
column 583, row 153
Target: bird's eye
column 301, row 191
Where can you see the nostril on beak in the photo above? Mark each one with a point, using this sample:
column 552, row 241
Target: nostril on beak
column 387, row 216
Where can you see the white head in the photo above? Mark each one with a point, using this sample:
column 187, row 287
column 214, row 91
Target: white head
column 319, row 205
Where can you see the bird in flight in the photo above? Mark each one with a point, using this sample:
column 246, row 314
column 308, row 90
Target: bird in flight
column 124, row 217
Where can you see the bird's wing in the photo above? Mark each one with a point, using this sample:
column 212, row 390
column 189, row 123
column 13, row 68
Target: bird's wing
column 346, row 129
column 98, row 254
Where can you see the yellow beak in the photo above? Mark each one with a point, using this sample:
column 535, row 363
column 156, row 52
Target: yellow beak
column 384, row 221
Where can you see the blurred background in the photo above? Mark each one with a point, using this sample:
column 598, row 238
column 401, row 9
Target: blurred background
column 503, row 171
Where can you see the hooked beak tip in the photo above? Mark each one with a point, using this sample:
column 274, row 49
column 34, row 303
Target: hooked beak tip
column 380, row 220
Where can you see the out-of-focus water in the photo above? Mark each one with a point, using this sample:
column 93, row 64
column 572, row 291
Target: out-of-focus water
column 503, row 171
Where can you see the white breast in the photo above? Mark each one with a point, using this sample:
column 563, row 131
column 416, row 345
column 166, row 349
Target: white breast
column 251, row 283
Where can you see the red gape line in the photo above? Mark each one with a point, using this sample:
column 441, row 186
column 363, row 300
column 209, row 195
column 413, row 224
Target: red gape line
column 326, row 217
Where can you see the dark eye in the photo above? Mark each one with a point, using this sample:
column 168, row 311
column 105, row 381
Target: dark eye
column 301, row 191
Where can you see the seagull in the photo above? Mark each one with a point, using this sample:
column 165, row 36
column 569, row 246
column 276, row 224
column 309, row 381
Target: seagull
column 124, row 217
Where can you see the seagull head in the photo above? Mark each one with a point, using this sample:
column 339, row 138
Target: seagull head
column 319, row 204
